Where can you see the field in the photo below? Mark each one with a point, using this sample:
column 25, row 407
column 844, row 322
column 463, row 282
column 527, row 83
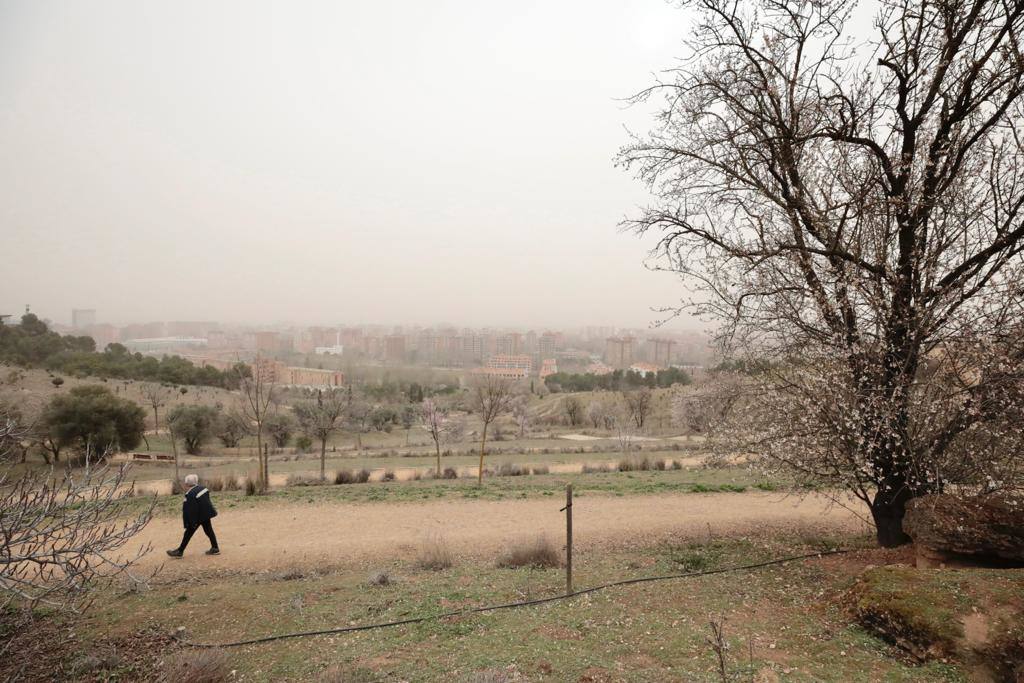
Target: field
column 307, row 557
column 316, row 557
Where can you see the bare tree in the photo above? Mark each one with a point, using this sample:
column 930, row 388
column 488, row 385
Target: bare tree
column 489, row 397
column 59, row 540
column 624, row 426
column 155, row 395
column 521, row 413
column 231, row 428
column 854, row 218
column 638, row 404
column 357, row 413
column 573, row 410
column 258, row 399
column 321, row 418
column 440, row 425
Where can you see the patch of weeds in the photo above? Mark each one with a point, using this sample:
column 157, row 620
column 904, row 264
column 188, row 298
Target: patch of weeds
column 539, row 552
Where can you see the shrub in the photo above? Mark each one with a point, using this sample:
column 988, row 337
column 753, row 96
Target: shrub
column 599, row 467
column 450, row 473
column 676, row 465
column 344, row 477
column 197, row 666
column 214, row 483
column 634, row 464
column 434, row 554
column 507, row 469
column 231, row 482
column 389, row 475
column 177, row 488
column 303, row 443
column 303, row 480
column 250, row 486
column 380, row 579
column 537, row 553
column 659, row 465
column 362, row 476
column 540, row 469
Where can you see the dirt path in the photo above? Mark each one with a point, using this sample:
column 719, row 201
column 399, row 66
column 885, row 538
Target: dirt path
column 294, row 535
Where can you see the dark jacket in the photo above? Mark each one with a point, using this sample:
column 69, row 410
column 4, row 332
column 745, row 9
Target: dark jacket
column 197, row 507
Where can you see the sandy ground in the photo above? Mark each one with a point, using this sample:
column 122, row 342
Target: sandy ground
column 280, row 536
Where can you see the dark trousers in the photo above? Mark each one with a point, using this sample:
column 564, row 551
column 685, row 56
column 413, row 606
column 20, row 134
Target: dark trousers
column 207, row 528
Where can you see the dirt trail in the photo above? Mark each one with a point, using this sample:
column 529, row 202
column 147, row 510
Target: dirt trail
column 294, row 534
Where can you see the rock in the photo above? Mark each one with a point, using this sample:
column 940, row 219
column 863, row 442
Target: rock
column 986, row 529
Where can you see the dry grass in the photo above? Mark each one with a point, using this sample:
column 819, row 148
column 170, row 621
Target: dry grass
column 250, row 486
column 304, row 480
column 214, row 483
column 450, row 473
column 634, row 464
column 540, row 469
column 434, row 554
column 231, row 482
column 389, row 475
column 594, row 469
column 539, row 552
column 197, row 666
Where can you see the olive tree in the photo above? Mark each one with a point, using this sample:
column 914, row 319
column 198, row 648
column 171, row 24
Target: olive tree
column 93, row 421
column 195, row 425
column 852, row 212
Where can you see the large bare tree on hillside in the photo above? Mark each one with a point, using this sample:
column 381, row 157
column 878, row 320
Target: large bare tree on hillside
column 490, row 396
column 852, row 212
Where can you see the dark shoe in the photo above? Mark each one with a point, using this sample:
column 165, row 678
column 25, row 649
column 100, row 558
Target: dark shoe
column 175, row 553
column 213, row 551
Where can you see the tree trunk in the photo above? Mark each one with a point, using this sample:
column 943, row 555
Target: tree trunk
column 483, row 441
column 174, row 447
column 887, row 511
column 266, row 468
column 323, row 458
column 437, row 445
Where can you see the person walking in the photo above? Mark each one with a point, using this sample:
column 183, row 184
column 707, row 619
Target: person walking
column 197, row 511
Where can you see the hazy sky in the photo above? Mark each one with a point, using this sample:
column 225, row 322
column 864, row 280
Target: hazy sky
column 328, row 161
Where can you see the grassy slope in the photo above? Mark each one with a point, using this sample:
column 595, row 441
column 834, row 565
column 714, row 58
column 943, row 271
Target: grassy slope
column 646, row 632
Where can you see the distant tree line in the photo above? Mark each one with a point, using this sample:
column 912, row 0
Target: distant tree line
column 616, row 380
column 33, row 344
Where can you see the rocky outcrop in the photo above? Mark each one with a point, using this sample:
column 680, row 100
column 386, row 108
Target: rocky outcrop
column 979, row 530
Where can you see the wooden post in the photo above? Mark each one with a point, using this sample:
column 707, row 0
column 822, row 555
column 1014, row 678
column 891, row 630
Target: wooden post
column 568, row 539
